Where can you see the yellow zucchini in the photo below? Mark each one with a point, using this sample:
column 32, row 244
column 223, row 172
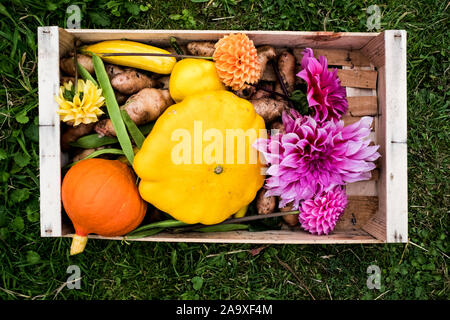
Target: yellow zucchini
column 161, row 65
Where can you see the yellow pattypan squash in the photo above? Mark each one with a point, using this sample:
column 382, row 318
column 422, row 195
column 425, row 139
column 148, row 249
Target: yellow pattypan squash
column 198, row 163
column 191, row 76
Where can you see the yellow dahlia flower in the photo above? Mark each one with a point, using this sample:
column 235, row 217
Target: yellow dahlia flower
column 82, row 106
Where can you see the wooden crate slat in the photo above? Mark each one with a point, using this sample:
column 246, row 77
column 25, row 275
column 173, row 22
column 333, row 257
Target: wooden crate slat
column 263, row 237
column 374, row 50
column 375, row 174
column 359, row 106
column 362, row 188
column 314, row 39
column 358, row 78
column 359, row 211
column 49, row 134
column 66, row 42
column 391, row 222
column 348, row 119
column 337, row 57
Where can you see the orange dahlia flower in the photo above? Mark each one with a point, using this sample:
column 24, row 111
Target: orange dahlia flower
column 236, row 61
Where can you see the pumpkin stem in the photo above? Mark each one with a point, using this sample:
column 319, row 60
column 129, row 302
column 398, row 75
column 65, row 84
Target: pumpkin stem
column 78, row 244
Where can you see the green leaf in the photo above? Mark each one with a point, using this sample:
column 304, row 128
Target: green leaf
column 145, row 233
column 224, row 227
column 4, row 176
column 113, row 108
column 18, row 224
column 132, row 8
column 51, row 6
column 134, row 131
column 2, row 216
column 4, row 233
column 32, row 211
column 19, row 195
column 144, row 8
column 175, row 16
column 32, row 133
column 197, row 283
column 98, row 153
column 100, row 19
column 22, row 159
column 3, row 154
column 33, row 257
column 85, row 74
column 22, row 118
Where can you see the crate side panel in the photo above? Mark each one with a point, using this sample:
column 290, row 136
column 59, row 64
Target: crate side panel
column 391, row 222
column 377, row 225
column 336, row 40
column 49, row 132
column 395, row 108
column 263, row 237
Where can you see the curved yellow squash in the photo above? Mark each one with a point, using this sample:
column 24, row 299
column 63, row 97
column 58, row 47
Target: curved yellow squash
column 198, row 163
column 161, row 65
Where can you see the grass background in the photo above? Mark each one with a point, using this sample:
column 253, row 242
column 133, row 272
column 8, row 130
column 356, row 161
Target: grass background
column 33, row 267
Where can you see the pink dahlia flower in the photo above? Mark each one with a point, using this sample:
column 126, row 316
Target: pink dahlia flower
column 325, row 93
column 320, row 214
column 312, row 157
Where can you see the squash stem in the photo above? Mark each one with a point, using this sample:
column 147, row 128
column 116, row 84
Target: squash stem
column 78, row 244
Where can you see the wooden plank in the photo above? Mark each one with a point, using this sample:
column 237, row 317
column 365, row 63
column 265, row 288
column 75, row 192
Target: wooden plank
column 375, row 174
column 391, row 222
column 376, row 226
column 359, row 211
column 337, row 40
column 337, row 57
column 264, row 237
column 374, row 50
column 359, row 106
column 362, row 188
column 348, row 120
column 393, row 105
column 358, row 78
column 49, row 132
column 66, row 42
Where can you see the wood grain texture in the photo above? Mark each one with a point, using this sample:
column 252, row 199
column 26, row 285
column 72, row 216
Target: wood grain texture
column 337, row 57
column 49, row 132
column 362, row 188
column 314, row 39
column 358, row 78
column 374, row 50
column 393, row 126
column 66, row 42
column 263, row 237
column 359, row 211
column 359, row 106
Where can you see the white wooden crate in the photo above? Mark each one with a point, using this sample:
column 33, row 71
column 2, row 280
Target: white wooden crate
column 372, row 66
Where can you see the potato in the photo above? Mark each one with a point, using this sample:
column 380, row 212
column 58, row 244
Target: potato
column 265, row 205
column 131, row 81
column 269, row 109
column 202, row 49
column 68, row 64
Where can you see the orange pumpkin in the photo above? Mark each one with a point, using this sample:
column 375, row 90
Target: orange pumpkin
column 100, row 196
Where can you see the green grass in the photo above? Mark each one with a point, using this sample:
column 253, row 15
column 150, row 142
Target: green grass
column 34, row 267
